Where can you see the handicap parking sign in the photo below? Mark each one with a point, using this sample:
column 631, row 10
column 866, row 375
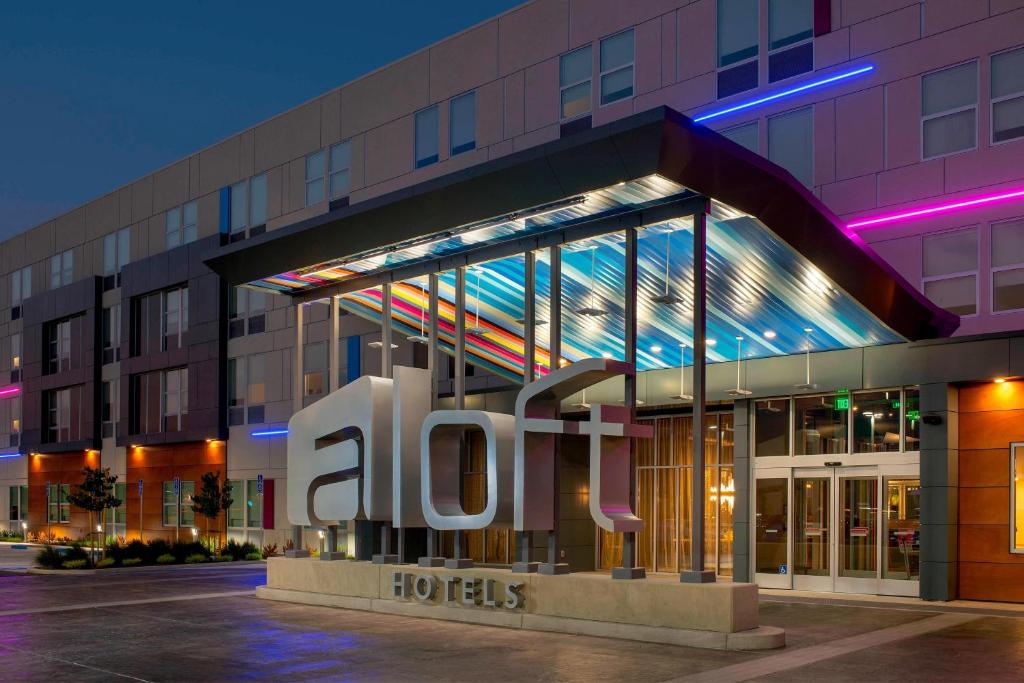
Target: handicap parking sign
column 783, row 569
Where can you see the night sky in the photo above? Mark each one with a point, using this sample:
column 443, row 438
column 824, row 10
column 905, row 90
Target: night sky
column 95, row 95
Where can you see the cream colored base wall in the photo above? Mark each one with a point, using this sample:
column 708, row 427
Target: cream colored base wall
column 719, row 615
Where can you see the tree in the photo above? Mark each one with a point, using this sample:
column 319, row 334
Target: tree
column 95, row 493
column 212, row 499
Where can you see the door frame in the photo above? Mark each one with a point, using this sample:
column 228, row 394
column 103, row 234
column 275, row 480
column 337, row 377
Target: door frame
column 764, row 579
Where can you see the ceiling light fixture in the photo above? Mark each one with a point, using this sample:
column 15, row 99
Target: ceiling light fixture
column 738, row 391
column 421, row 338
column 667, row 298
column 682, row 395
column 476, row 328
column 807, row 384
column 592, row 310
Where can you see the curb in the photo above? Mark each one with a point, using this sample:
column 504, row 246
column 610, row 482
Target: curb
column 128, row 570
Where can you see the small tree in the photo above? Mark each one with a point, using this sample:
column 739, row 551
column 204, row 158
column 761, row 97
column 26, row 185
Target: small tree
column 95, row 493
column 212, row 499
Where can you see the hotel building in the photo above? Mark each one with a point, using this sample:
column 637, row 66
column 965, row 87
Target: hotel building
column 535, row 187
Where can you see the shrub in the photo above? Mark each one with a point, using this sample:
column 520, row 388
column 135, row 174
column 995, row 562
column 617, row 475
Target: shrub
column 49, row 558
column 106, row 562
column 195, row 558
column 254, row 556
column 74, row 564
column 131, row 561
column 237, row 550
column 166, row 558
column 222, row 558
column 182, row 550
column 269, row 550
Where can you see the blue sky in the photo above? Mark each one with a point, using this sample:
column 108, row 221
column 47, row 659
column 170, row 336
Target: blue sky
column 95, row 94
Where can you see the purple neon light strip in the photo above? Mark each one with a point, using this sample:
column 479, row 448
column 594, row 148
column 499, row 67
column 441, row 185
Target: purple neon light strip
column 9, row 391
column 938, row 208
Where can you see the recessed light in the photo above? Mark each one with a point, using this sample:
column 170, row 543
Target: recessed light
column 655, row 349
column 999, row 380
column 606, row 354
column 710, row 342
column 769, row 334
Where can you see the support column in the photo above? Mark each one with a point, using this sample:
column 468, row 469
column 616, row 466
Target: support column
column 940, row 479
column 334, row 381
column 385, row 556
column 432, row 558
column 522, row 564
column 629, row 568
column 458, row 561
column 742, row 474
column 697, row 573
column 299, row 549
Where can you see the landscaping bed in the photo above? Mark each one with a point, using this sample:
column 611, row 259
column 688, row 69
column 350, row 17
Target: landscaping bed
column 152, row 553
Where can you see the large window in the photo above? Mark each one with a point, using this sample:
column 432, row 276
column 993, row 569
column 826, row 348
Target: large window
column 820, row 424
column 314, row 369
column 21, row 285
column 1008, row 266
column 426, row 137
column 175, row 317
column 181, row 225
column 949, row 109
column 771, row 436
column 790, row 38
column 109, row 407
column 574, row 80
column 340, row 160
column 1017, row 497
column 876, row 421
column 174, row 399
column 177, row 507
column 58, row 508
column 118, row 515
column 1008, row 95
column 253, row 505
column 64, row 415
column 912, row 419
column 462, row 124
column 116, row 251
column 745, row 135
column 738, row 45
column 249, row 203
column 950, row 270
column 617, row 67
column 64, row 344
column 15, row 356
column 247, row 389
column 62, row 269
column 112, row 333
column 315, row 169
column 791, row 143
column 247, row 312
column 18, row 499
column 236, row 513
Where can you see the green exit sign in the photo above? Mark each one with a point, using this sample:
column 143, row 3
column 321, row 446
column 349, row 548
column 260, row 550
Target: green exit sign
column 842, row 403
column 895, row 403
column 913, row 414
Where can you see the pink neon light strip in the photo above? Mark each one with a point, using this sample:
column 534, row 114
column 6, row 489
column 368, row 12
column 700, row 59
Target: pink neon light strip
column 938, row 208
column 9, row 391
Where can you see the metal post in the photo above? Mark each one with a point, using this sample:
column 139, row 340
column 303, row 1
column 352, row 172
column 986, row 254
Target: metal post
column 522, row 564
column 385, row 330
column 458, row 561
column 629, row 568
column 299, row 549
column 697, row 573
column 432, row 558
column 335, row 355
column 553, row 566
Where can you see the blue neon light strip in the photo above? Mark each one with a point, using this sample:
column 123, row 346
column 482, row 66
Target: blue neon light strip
column 267, row 433
column 4, row 456
column 785, row 93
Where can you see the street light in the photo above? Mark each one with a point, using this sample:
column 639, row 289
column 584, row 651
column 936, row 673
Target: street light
column 24, row 532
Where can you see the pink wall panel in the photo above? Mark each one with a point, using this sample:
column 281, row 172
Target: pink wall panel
column 903, row 122
column 910, row 183
column 696, row 38
column 848, row 196
column 648, row 56
column 886, row 31
column 860, row 121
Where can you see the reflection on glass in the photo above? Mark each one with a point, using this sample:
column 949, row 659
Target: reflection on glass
column 645, row 498
column 811, row 536
column 771, row 427
column 710, row 516
column 912, row 420
column 1017, row 453
column 858, row 549
column 726, row 500
column 770, row 533
column 821, row 424
column 667, row 497
column 876, row 421
column 902, row 529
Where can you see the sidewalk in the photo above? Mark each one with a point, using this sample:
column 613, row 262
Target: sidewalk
column 1000, row 609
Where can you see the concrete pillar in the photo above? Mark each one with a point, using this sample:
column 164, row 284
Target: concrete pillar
column 297, row 394
column 940, row 458
column 742, row 476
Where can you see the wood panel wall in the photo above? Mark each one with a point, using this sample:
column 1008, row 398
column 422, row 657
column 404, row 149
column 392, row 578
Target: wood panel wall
column 57, row 468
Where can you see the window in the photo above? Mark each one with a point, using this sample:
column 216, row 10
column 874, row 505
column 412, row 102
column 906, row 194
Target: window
column 249, row 203
column 745, row 135
column 109, row 408
column 21, row 285
column 247, row 312
column 60, row 335
column 315, row 178
column 912, row 419
column 116, row 251
column 175, row 317
column 771, row 427
column 1017, row 497
column 63, row 415
column 253, row 505
column 58, row 509
column 112, row 334
column 820, row 424
column 617, row 67
column 174, row 401
column 170, row 516
column 791, row 143
column 247, row 389
column 950, row 270
column 574, row 78
column 876, row 421
column 949, row 103
column 181, row 225
column 341, row 167
column 426, row 137
column 15, row 404
column 1008, row 266
column 790, row 38
column 15, row 351
column 18, row 504
column 62, row 267
column 117, row 515
column 236, row 513
column 1008, row 95
column 462, row 123
column 738, row 45
column 177, row 507
column 188, row 515
column 314, row 369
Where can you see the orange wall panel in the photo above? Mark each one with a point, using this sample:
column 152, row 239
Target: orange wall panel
column 62, row 468
column 985, row 467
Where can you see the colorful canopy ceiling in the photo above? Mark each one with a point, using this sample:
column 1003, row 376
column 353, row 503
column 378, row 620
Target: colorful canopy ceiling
column 759, row 289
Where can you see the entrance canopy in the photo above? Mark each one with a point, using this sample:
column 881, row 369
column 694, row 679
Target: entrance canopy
column 783, row 274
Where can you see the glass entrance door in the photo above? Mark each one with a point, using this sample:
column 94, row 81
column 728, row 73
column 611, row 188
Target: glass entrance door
column 813, row 532
column 858, row 531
